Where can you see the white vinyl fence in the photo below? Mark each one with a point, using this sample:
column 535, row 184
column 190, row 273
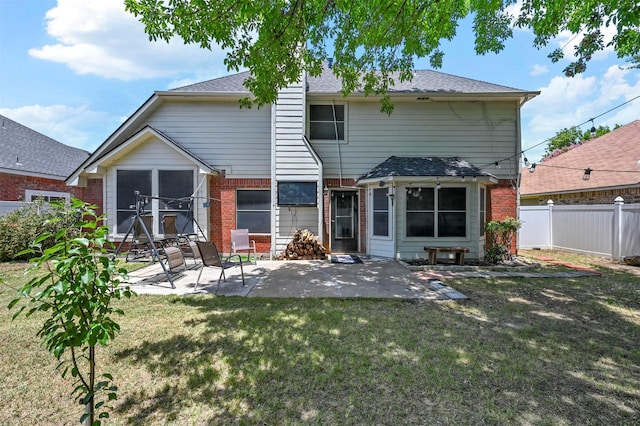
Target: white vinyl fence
column 9, row 206
column 602, row 230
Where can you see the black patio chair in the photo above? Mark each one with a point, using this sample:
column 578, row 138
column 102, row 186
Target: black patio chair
column 211, row 258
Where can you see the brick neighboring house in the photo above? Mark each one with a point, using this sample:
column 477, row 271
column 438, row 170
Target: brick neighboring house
column 33, row 165
column 431, row 173
column 614, row 163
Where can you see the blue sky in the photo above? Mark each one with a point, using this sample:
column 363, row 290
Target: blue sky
column 74, row 70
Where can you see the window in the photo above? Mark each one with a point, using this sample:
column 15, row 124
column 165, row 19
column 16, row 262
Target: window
column 297, row 194
column 452, row 215
column 326, row 122
column 420, row 212
column 128, row 182
column 33, row 195
column 253, row 210
column 166, row 191
column 428, row 215
column 380, row 212
column 174, row 189
column 483, row 210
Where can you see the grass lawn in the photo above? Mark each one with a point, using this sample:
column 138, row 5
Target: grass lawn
column 520, row 351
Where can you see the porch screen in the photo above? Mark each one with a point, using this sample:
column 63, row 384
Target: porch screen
column 174, row 191
column 129, row 181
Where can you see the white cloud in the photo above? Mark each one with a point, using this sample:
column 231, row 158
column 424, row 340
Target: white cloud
column 99, row 37
column 538, row 70
column 566, row 102
column 74, row 126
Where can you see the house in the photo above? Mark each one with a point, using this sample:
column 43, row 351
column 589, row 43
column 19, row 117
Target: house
column 363, row 181
column 594, row 172
column 33, row 165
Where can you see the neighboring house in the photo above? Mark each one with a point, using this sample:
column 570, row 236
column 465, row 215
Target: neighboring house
column 33, row 165
column 613, row 163
column 359, row 179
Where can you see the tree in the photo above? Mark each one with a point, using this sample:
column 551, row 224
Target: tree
column 76, row 290
column 572, row 136
column 278, row 39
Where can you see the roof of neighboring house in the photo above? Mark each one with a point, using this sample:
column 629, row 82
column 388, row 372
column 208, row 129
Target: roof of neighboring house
column 423, row 166
column 25, row 151
column 424, row 81
column 614, row 159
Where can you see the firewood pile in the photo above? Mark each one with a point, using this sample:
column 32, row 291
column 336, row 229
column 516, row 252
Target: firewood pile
column 304, row 246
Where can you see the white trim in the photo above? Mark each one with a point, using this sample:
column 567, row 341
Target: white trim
column 45, row 194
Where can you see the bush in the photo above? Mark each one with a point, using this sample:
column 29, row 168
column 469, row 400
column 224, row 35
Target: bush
column 19, row 228
column 501, row 235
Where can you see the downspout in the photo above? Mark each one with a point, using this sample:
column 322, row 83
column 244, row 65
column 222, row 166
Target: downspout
column 335, row 129
column 273, row 182
column 518, row 171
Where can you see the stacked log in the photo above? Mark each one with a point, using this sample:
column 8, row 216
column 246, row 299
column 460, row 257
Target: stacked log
column 304, row 246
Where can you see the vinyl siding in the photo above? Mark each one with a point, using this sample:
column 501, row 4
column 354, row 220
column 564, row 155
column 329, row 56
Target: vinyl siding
column 293, row 162
column 479, row 132
column 222, row 134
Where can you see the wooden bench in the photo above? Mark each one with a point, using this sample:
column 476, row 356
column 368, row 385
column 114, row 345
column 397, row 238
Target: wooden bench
column 459, row 252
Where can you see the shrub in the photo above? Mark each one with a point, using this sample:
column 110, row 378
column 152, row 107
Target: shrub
column 19, row 228
column 501, row 235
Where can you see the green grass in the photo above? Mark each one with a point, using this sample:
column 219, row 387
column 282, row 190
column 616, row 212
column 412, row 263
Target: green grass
column 520, row 351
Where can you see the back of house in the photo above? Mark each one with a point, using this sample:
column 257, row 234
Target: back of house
column 430, row 174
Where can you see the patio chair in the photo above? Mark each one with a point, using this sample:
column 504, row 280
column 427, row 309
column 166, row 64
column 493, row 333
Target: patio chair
column 142, row 246
column 240, row 242
column 186, row 242
column 211, row 258
column 169, row 228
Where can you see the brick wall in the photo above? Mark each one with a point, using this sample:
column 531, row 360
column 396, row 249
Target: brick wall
column 630, row 195
column 502, row 202
column 223, row 213
column 13, row 188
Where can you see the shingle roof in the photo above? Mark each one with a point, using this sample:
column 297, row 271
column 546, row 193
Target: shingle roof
column 609, row 156
column 423, row 166
column 233, row 83
column 424, row 81
column 26, row 151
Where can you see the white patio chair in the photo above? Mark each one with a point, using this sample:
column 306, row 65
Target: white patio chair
column 240, row 242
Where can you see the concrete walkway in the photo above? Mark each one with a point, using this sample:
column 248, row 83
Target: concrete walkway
column 374, row 278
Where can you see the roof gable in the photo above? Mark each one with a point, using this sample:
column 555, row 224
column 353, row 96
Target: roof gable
column 25, row 151
column 614, row 158
column 142, row 136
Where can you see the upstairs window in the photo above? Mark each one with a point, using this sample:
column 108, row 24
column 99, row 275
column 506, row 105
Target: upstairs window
column 326, row 122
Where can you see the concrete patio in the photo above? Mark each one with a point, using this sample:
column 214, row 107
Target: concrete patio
column 374, row 278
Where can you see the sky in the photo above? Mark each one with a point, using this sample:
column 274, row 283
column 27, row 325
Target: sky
column 74, row 70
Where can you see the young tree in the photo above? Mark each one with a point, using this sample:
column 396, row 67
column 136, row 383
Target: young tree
column 278, row 39
column 79, row 284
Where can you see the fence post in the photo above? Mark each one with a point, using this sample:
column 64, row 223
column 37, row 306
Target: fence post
column 617, row 228
column 550, row 219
